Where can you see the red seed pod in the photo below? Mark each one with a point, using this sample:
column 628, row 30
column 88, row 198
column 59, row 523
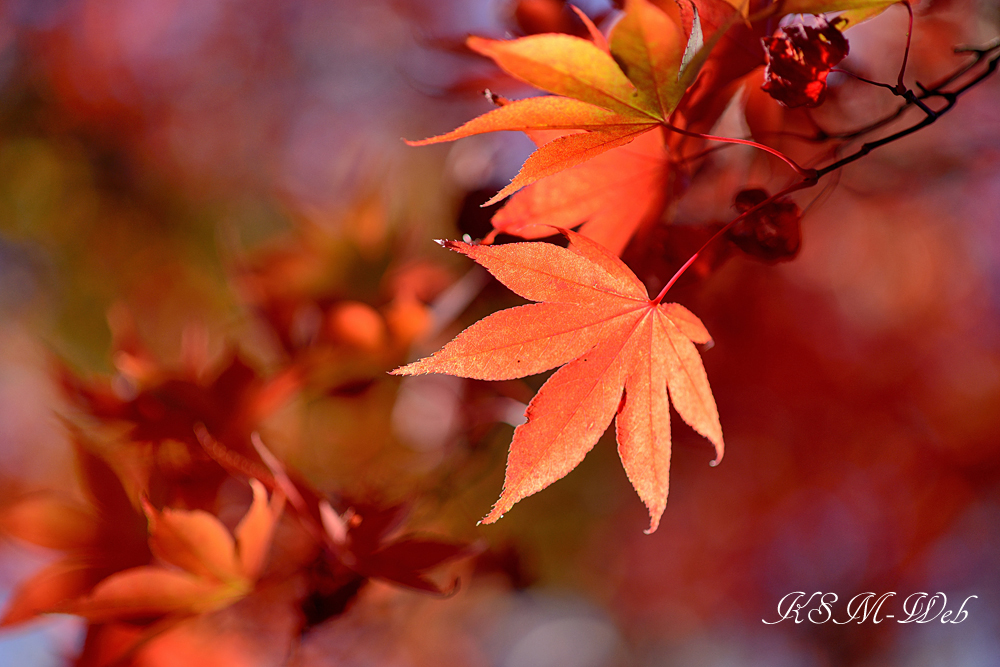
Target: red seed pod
column 799, row 60
column 771, row 233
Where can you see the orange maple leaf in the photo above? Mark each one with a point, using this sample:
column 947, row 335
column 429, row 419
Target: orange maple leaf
column 99, row 539
column 595, row 317
column 611, row 195
column 592, row 91
column 204, row 569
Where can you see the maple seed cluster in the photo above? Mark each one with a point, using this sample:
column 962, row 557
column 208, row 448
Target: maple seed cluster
column 800, row 59
column 772, row 232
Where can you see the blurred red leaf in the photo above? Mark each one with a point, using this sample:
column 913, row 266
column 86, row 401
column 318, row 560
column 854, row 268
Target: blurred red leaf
column 362, row 533
column 146, row 592
column 49, row 521
column 99, row 542
column 206, row 571
column 404, row 561
column 166, row 411
column 48, row 589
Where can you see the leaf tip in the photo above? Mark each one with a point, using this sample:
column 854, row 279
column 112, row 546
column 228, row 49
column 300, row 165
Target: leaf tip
column 720, row 448
column 596, row 36
column 496, row 513
column 426, row 142
column 457, row 246
column 656, row 510
column 498, row 197
column 478, row 44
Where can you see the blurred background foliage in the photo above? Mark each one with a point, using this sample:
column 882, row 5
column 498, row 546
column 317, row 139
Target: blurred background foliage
column 230, row 176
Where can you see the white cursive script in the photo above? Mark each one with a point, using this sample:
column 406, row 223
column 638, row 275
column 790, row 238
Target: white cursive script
column 818, row 608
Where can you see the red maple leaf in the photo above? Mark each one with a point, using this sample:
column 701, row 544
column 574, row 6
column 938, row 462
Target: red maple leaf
column 98, row 540
column 164, row 407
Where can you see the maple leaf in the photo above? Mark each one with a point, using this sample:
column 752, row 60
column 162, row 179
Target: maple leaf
column 164, row 410
column 854, row 11
column 358, row 541
column 611, row 196
column 208, row 568
column 98, row 539
column 595, row 317
column 362, row 539
column 613, row 94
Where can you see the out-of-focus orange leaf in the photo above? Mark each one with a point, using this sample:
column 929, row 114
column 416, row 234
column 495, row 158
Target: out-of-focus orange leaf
column 407, row 318
column 253, row 632
column 195, row 541
column 229, row 401
column 596, row 318
column 164, row 414
column 211, row 573
column 256, row 530
column 48, row 589
column 148, row 592
column 49, row 521
column 110, row 538
column 108, row 643
column 357, row 324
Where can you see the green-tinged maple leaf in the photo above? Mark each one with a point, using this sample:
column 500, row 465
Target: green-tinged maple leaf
column 614, row 94
column 620, row 352
column 825, row 6
column 651, row 44
column 571, row 67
